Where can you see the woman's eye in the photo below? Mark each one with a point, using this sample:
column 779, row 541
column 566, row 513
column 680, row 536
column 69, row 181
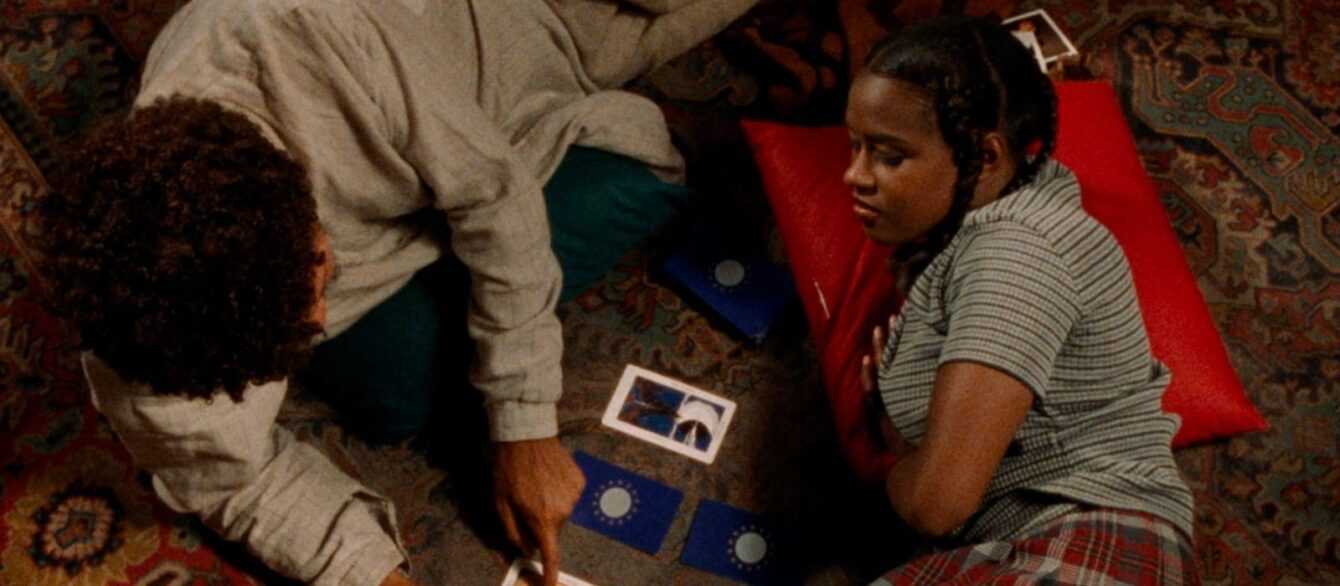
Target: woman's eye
column 891, row 160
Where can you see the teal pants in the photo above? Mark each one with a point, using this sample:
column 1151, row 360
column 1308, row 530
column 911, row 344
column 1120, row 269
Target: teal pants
column 387, row 374
column 381, row 374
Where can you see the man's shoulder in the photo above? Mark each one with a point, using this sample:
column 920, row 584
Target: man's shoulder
column 248, row 19
column 214, row 48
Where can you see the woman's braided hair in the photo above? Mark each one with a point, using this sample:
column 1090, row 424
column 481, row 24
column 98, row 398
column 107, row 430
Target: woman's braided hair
column 181, row 243
column 979, row 79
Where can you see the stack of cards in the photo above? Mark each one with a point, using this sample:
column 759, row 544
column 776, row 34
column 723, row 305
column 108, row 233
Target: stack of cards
column 668, row 413
column 1037, row 31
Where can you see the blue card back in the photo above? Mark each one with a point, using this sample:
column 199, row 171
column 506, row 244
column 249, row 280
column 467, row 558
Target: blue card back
column 738, row 544
column 745, row 289
column 624, row 506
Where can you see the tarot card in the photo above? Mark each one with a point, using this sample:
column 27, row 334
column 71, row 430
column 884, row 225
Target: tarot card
column 737, row 283
column 669, row 413
column 1050, row 41
column 1030, row 41
column 740, row 545
column 625, row 506
column 530, row 572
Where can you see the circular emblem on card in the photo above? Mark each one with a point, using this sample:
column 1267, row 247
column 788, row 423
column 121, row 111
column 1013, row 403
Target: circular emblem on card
column 748, row 547
column 616, row 502
column 729, row 273
column 751, row 548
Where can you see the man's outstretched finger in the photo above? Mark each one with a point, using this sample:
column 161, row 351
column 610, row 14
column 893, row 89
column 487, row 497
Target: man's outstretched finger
column 510, row 528
column 547, row 535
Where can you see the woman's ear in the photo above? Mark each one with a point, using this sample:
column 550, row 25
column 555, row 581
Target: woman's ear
column 995, row 150
column 998, row 166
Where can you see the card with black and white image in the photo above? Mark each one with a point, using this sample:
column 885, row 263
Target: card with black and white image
column 1030, row 41
column 1036, row 30
column 669, row 413
column 525, row 572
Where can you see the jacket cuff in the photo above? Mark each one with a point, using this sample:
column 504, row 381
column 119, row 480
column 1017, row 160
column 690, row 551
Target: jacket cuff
column 383, row 552
column 514, row 421
column 373, row 564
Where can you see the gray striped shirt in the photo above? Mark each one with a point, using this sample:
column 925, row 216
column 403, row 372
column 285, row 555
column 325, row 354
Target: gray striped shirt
column 1035, row 287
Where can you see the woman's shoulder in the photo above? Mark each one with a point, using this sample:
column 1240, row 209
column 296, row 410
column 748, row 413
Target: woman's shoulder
column 1051, row 198
column 1050, row 206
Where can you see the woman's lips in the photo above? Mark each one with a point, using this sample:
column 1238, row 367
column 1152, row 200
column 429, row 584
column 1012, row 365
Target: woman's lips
column 867, row 214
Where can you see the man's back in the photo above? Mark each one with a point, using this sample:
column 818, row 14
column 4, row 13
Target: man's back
column 382, row 109
column 355, row 89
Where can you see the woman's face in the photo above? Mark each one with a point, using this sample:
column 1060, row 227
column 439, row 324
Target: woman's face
column 902, row 173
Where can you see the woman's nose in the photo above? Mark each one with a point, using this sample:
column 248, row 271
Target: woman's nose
column 858, row 175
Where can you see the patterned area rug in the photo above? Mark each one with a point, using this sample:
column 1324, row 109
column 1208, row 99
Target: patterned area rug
column 1236, row 107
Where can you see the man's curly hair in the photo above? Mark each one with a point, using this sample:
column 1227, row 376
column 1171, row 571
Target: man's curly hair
column 181, row 243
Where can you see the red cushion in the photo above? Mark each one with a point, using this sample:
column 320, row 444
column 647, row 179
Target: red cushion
column 846, row 288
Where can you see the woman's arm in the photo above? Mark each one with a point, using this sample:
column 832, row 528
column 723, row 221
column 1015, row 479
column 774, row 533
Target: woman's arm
column 1010, row 304
column 974, row 413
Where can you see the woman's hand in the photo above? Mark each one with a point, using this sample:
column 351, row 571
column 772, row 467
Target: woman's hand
column 892, row 439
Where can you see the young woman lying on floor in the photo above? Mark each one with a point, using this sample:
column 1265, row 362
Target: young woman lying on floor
column 1022, row 400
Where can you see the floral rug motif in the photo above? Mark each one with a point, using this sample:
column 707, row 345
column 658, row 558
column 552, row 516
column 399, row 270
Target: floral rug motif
column 1236, row 110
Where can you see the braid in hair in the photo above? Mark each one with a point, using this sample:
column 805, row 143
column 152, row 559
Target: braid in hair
column 979, row 79
column 1028, row 107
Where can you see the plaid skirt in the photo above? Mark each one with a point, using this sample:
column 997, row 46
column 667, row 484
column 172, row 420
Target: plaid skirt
column 1099, row 546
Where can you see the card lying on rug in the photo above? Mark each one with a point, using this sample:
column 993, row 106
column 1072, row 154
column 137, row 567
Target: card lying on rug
column 530, row 572
column 669, row 413
column 742, row 287
column 624, row 506
column 1037, row 31
column 738, row 544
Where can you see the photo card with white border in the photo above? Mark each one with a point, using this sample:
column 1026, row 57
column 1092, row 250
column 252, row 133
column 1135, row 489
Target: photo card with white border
column 1030, row 41
column 1051, row 40
column 525, row 572
column 669, row 413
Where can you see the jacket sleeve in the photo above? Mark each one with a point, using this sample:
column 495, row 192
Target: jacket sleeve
column 251, row 481
column 499, row 227
column 500, row 231
column 619, row 41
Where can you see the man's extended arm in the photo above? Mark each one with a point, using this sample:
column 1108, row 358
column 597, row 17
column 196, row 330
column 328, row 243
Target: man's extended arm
column 250, row 481
column 500, row 231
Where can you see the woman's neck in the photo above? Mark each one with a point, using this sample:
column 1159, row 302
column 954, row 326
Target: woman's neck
column 993, row 180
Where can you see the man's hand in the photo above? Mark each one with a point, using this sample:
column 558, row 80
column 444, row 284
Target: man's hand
column 535, row 486
column 395, row 578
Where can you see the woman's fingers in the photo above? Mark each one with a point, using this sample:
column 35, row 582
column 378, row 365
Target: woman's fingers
column 877, row 339
column 867, row 374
